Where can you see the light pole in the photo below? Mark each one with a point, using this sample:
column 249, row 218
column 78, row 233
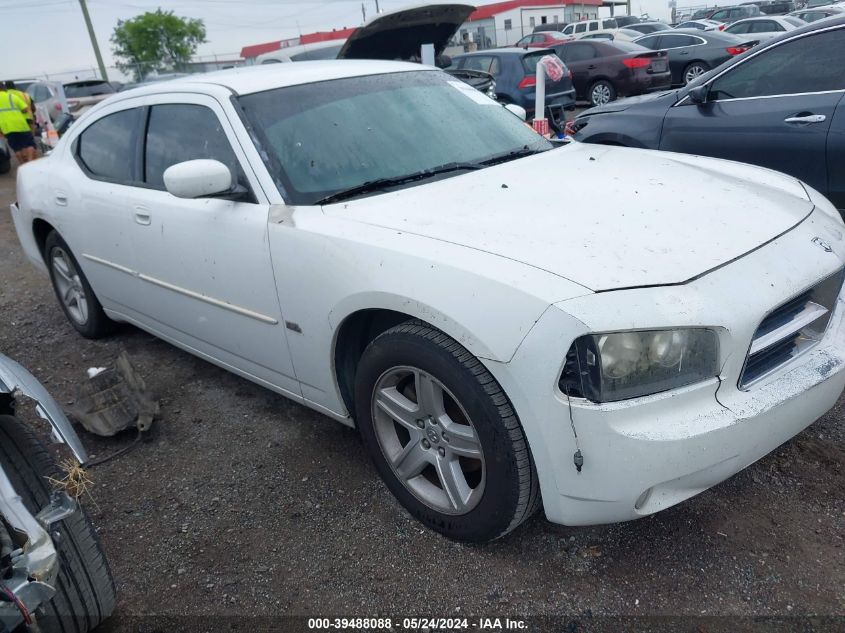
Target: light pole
column 93, row 40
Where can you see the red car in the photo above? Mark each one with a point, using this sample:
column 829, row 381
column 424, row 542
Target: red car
column 542, row 39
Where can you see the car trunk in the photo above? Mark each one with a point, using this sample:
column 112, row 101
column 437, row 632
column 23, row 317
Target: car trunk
column 400, row 35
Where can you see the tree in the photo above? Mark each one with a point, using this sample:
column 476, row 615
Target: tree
column 153, row 42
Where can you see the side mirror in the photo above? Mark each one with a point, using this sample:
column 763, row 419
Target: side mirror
column 698, row 95
column 517, row 111
column 198, row 179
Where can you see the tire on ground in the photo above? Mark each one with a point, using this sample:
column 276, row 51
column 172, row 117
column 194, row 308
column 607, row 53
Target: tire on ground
column 611, row 90
column 98, row 324
column 511, row 492
column 85, row 592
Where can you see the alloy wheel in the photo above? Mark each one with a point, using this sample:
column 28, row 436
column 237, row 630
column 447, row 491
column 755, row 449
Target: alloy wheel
column 601, row 94
column 693, row 72
column 428, row 440
column 69, row 286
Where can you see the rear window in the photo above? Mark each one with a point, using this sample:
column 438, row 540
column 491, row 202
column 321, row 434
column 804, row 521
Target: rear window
column 627, row 47
column 329, row 52
column 88, row 89
column 529, row 62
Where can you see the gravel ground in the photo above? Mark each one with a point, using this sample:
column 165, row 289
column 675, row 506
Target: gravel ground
column 243, row 503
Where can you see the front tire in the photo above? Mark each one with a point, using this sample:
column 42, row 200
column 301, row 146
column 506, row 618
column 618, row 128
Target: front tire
column 443, row 435
column 76, row 298
column 85, row 593
column 602, row 92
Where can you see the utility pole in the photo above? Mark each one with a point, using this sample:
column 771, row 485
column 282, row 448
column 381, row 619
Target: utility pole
column 377, row 10
column 364, row 12
column 93, row 37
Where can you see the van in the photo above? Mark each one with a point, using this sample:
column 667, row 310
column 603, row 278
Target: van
column 579, row 29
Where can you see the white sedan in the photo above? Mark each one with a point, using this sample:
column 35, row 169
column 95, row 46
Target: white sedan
column 765, row 27
column 391, row 248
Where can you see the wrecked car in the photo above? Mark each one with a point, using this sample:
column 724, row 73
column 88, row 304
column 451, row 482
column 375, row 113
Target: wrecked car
column 377, row 241
column 53, row 573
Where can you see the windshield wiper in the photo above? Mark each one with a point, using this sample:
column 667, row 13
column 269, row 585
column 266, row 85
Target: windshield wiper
column 522, row 152
column 383, row 183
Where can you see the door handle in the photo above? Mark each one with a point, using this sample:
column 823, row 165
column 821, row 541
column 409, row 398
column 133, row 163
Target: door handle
column 591, row 67
column 142, row 216
column 804, row 119
column 61, row 198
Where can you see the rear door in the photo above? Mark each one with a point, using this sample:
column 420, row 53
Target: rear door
column 580, row 58
column 836, row 157
column 774, row 109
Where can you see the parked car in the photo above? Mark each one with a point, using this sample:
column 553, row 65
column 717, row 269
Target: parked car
column 82, row 95
column 765, row 28
column 51, row 561
column 617, row 35
column 412, row 276
column 603, row 71
column 693, row 53
column 302, row 53
column 729, row 15
column 50, row 94
column 542, row 39
column 814, row 15
column 578, row 29
column 702, row 25
column 644, row 28
column 792, row 120
column 774, row 7
column 623, row 21
column 514, row 70
column 814, row 4
column 704, row 14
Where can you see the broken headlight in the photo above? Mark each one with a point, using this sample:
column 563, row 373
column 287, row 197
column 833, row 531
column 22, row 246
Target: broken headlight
column 621, row 365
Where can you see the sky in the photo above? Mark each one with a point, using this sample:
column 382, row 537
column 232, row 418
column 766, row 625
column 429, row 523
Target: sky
column 48, row 37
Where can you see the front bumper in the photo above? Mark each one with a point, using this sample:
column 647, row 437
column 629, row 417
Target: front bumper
column 646, row 454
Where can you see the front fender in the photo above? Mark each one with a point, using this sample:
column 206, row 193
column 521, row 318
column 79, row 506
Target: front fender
column 15, row 380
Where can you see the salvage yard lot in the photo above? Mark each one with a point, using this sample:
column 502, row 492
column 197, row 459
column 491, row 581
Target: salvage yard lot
column 244, row 503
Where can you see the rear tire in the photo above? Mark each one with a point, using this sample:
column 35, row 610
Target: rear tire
column 694, row 71
column 85, row 593
column 461, row 466
column 601, row 93
column 75, row 295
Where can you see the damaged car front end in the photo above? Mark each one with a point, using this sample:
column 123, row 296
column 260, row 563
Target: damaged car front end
column 35, row 522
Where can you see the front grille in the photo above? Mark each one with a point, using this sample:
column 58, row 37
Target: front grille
column 791, row 329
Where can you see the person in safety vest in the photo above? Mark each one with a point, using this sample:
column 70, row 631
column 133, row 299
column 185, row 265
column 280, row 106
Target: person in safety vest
column 30, row 113
column 15, row 127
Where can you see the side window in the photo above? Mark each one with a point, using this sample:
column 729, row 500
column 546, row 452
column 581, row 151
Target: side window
column 581, row 27
column 525, row 41
column 568, row 30
column 107, row 147
column 608, row 24
column 479, row 62
column 180, row 132
column 810, row 64
column 649, row 42
column 719, row 16
column 594, row 26
column 676, row 41
column 739, row 28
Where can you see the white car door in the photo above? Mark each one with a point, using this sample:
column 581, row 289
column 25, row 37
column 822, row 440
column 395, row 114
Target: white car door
column 89, row 195
column 206, row 277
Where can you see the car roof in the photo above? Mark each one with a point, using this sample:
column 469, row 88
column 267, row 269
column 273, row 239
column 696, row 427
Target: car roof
column 258, row 78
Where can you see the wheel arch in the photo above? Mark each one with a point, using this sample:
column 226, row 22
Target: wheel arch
column 40, row 230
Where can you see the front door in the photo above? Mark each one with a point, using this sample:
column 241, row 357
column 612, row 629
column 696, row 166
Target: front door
column 773, row 110
column 204, row 264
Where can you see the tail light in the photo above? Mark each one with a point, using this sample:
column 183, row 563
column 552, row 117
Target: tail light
column 736, row 50
column 527, row 82
column 636, row 62
column 722, row 27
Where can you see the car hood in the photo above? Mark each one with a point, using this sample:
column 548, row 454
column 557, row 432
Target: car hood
column 602, row 217
column 399, row 35
column 620, row 105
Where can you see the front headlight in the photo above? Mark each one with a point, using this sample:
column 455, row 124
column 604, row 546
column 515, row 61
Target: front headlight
column 621, row 365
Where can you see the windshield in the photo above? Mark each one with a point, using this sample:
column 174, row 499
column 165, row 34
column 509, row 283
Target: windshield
column 331, row 136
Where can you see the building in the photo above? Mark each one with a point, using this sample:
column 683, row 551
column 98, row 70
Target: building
column 249, row 53
column 504, row 23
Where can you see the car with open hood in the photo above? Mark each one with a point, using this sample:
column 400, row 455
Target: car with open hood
column 376, row 241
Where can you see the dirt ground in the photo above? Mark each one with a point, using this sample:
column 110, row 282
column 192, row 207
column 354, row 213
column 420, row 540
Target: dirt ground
column 243, row 503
